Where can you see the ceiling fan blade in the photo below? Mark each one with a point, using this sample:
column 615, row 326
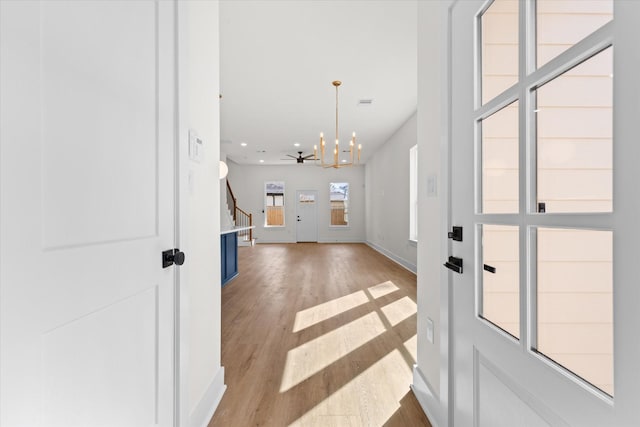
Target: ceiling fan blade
column 293, row 157
column 309, row 156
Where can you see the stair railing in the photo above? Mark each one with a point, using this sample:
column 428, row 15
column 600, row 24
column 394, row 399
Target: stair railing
column 240, row 217
column 244, row 219
column 231, row 201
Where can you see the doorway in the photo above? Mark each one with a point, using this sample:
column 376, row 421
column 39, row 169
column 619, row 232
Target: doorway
column 533, row 273
column 306, row 216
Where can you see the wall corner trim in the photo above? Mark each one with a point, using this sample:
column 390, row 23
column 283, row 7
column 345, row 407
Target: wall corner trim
column 428, row 400
column 393, row 257
column 207, row 406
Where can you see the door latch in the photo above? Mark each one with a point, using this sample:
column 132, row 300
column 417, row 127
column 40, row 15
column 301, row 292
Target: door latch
column 489, row 268
column 172, row 256
column 455, row 233
column 454, row 264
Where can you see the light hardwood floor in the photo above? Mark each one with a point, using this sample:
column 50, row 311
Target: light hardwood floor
column 318, row 335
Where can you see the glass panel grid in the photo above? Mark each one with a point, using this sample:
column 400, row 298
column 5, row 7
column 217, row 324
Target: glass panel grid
column 500, row 161
column 499, row 35
column 501, row 277
column 561, row 24
column 575, row 302
column 574, row 118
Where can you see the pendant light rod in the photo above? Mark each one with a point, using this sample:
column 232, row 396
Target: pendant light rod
column 336, row 151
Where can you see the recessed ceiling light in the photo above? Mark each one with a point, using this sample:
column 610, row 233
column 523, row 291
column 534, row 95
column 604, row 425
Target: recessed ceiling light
column 244, row 144
column 296, row 144
column 261, row 161
column 344, row 161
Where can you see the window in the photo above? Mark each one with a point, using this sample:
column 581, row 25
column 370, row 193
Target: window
column 413, row 193
column 339, row 202
column 274, row 204
column 545, row 142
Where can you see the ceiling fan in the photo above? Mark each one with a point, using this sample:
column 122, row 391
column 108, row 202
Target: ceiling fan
column 300, row 158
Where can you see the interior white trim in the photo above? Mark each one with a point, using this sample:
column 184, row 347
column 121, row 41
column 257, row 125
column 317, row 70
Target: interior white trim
column 428, row 401
column 393, row 257
column 205, row 409
column 181, row 404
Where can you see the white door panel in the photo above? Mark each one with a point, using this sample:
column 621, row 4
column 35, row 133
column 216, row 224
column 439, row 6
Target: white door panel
column 87, row 207
column 307, row 216
column 502, row 378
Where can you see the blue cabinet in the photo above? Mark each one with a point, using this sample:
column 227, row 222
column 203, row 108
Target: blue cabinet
column 229, row 256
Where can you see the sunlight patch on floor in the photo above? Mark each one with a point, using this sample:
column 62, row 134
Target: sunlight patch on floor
column 327, row 310
column 369, row 399
column 399, row 310
column 411, row 345
column 382, row 289
column 313, row 356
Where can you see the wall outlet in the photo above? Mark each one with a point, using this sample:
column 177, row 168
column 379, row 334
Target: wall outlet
column 429, row 330
column 432, row 186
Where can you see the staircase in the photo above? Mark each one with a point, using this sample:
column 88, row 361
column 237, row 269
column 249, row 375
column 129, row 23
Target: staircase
column 239, row 218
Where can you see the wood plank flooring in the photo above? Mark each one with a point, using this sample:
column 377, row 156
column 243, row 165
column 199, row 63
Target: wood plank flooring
column 318, row 335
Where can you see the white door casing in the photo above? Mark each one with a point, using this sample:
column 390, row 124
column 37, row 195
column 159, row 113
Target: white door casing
column 498, row 380
column 307, row 216
column 87, row 207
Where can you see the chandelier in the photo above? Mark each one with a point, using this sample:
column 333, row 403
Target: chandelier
column 337, row 163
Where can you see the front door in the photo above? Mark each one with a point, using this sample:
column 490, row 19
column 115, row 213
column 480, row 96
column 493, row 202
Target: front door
column 307, row 216
column 87, row 207
column 544, row 185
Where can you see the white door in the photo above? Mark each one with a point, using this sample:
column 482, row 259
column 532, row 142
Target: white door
column 543, row 163
column 87, row 207
column 307, row 216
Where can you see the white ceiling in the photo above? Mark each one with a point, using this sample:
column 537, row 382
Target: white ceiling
column 277, row 62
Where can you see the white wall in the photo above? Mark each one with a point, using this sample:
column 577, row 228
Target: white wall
column 431, row 373
column 202, row 379
column 247, row 182
column 387, row 196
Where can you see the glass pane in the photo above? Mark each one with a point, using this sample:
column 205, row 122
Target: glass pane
column 307, row 198
column 574, row 137
column 274, row 203
column 339, row 199
column 500, row 177
column 500, row 278
column 563, row 23
column 575, row 302
column 499, row 25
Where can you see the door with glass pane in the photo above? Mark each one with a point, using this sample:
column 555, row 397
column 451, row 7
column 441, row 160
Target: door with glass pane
column 544, row 330
column 307, row 216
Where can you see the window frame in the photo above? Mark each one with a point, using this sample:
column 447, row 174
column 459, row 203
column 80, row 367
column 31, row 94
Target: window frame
column 346, row 209
column 266, row 194
column 413, row 194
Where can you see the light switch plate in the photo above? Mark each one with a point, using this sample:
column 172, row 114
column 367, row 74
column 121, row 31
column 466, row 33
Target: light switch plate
column 196, row 147
column 430, row 330
column 432, row 186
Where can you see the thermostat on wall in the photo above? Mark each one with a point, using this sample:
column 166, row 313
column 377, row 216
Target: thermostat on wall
column 196, row 147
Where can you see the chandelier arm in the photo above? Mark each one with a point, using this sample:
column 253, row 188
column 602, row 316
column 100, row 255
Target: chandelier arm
column 336, row 151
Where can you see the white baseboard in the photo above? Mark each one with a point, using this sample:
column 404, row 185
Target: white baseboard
column 428, row 401
column 393, row 257
column 203, row 412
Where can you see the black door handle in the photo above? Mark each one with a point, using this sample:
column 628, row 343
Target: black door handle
column 454, row 264
column 489, row 268
column 172, row 256
column 455, row 234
